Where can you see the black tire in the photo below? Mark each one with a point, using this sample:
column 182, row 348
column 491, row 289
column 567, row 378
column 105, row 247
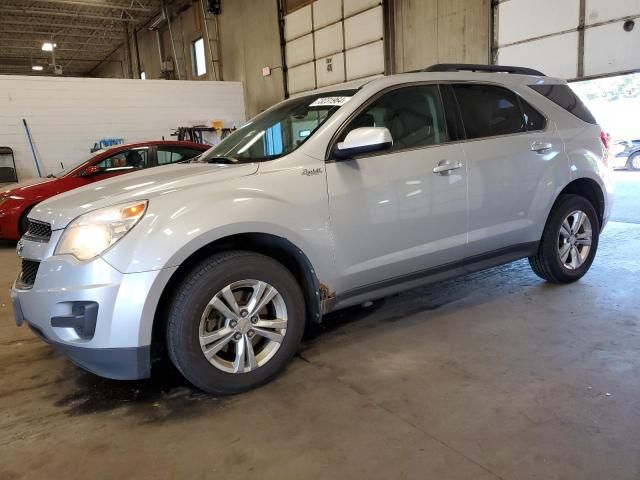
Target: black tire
column 634, row 159
column 196, row 291
column 546, row 263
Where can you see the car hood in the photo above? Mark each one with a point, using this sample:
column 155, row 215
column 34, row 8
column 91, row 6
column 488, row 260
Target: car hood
column 60, row 210
column 24, row 186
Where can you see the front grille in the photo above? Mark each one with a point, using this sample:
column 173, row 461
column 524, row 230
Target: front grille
column 28, row 273
column 39, row 231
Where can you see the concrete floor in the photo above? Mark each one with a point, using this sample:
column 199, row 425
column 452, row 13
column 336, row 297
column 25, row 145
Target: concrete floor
column 495, row 375
column 626, row 207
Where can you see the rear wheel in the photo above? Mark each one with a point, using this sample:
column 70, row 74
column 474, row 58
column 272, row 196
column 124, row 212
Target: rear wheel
column 569, row 241
column 633, row 163
column 235, row 322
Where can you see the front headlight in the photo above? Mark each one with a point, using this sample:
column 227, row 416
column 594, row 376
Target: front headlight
column 92, row 233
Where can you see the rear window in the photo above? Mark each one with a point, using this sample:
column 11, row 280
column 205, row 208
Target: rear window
column 563, row 96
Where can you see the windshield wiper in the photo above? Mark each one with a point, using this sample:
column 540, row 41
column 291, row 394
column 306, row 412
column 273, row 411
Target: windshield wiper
column 221, row 159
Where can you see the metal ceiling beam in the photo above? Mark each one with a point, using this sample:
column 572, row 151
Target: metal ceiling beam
column 5, row 47
column 11, row 22
column 51, row 33
column 98, row 4
column 21, row 41
column 45, row 12
column 7, row 58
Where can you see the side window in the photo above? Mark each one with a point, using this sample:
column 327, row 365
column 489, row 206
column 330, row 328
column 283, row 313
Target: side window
column 488, row 110
column 455, row 129
column 413, row 115
column 533, row 119
column 167, row 155
column 125, row 160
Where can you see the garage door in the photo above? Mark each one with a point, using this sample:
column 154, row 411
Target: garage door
column 569, row 38
column 332, row 41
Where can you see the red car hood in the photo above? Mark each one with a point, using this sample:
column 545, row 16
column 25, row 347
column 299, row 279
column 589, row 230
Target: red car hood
column 26, row 185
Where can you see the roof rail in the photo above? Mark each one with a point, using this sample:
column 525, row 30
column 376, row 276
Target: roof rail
column 476, row 67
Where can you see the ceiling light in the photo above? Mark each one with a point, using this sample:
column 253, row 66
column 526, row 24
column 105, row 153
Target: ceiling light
column 48, row 46
column 37, row 68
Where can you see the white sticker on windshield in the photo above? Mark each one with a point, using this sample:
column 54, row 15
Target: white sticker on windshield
column 329, row 101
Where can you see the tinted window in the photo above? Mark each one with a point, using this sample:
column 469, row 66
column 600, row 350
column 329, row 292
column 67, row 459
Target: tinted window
column 563, row 95
column 167, row 155
column 413, row 115
column 455, row 129
column 533, row 119
column 125, row 160
column 488, row 110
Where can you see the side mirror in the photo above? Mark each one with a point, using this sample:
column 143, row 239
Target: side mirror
column 364, row 140
column 91, row 170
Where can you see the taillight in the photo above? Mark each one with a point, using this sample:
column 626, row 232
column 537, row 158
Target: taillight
column 605, row 138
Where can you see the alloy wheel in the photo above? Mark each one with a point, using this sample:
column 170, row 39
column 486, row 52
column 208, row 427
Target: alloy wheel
column 243, row 326
column 574, row 239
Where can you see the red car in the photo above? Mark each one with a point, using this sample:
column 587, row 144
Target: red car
column 17, row 200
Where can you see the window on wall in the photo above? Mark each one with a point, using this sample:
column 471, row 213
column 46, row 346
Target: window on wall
column 199, row 63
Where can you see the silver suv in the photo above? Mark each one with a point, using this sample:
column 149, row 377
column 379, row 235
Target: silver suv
column 326, row 200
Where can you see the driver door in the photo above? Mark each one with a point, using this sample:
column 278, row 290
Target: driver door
column 392, row 216
column 124, row 161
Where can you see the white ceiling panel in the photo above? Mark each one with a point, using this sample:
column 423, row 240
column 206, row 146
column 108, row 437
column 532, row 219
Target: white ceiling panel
column 556, row 56
column 330, row 70
column 298, row 23
column 522, row 19
column 363, row 28
column 609, row 49
column 603, row 10
column 329, row 40
column 352, row 7
column 299, row 50
column 302, row 78
column 365, row 61
column 326, row 12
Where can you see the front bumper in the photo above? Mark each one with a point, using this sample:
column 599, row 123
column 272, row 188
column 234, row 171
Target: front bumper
column 130, row 363
column 117, row 344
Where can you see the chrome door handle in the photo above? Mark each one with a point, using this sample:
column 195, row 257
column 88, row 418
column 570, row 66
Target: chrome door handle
column 445, row 168
column 540, row 147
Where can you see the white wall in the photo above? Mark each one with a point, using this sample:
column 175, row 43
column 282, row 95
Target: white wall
column 68, row 115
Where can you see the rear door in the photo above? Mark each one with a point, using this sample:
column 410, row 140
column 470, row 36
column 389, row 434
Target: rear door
column 509, row 147
column 123, row 161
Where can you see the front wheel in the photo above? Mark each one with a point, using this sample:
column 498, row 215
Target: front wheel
column 569, row 241
column 235, row 322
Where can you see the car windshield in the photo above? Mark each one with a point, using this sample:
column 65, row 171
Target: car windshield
column 66, row 170
column 279, row 130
